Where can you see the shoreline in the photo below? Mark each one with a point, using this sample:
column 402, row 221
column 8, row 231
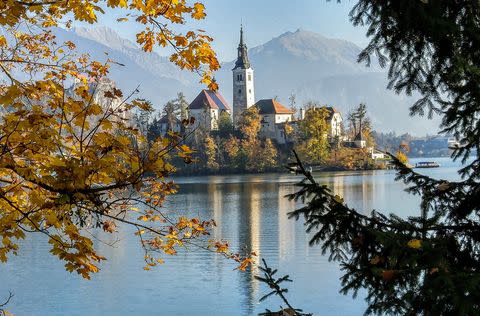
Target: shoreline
column 202, row 173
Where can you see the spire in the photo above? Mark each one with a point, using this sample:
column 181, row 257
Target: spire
column 242, row 59
column 241, row 35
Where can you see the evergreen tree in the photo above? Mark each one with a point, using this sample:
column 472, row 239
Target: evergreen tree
column 181, row 105
column 225, row 125
column 426, row 264
column 293, row 103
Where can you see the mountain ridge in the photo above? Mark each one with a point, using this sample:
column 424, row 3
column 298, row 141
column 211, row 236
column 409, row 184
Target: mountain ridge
column 305, row 63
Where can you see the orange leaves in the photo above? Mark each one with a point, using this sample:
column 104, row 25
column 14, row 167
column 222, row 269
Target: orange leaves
column 245, row 263
column 146, row 40
column 192, row 49
column 180, row 41
column 198, row 11
column 69, row 151
column 221, row 247
column 142, row 104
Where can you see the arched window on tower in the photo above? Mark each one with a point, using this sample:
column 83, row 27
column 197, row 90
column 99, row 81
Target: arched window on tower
column 239, row 91
column 239, row 77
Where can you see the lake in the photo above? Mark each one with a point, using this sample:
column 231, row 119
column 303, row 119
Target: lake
column 251, row 212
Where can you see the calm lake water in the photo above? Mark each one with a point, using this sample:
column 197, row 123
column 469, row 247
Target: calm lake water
column 251, row 212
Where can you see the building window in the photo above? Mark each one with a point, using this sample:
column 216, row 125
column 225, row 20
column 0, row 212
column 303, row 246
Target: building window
column 249, row 77
column 239, row 77
column 249, row 90
column 239, row 91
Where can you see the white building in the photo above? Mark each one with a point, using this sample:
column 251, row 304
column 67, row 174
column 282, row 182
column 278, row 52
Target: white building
column 334, row 120
column 243, row 81
column 274, row 117
column 166, row 124
column 207, row 107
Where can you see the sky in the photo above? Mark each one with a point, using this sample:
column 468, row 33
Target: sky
column 262, row 21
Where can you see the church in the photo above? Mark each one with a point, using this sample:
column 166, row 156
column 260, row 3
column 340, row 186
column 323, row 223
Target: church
column 274, row 114
column 208, row 105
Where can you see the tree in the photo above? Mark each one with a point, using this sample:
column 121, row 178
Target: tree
column 352, row 123
column 68, row 164
column 225, row 125
column 182, row 105
column 172, row 114
column 143, row 117
column 232, row 151
column 427, row 264
column 210, row 153
column 249, row 126
column 314, row 136
column 293, row 103
column 268, row 157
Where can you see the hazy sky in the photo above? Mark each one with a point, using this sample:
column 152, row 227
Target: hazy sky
column 263, row 20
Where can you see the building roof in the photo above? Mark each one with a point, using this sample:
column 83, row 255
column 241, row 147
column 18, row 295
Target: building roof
column 271, row 106
column 164, row 119
column 242, row 59
column 209, row 99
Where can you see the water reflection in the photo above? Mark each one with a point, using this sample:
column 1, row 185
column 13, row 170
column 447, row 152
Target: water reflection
column 252, row 213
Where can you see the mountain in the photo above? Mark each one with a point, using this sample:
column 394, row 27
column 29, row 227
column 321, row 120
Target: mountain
column 314, row 67
column 311, row 66
column 158, row 79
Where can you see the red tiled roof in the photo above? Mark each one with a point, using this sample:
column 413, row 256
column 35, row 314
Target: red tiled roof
column 271, row 106
column 210, row 99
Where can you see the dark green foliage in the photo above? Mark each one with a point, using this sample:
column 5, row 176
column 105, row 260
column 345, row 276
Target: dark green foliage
column 426, row 264
column 433, row 47
column 274, row 284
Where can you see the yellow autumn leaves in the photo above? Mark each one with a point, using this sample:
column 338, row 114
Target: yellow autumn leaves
column 193, row 49
column 415, row 244
column 71, row 160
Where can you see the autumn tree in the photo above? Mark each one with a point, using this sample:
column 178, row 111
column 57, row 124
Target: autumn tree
column 268, row 157
column 69, row 164
column 426, row 264
column 249, row 126
column 313, row 142
column 232, row 151
column 210, row 148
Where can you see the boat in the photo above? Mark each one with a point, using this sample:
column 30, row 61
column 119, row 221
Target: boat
column 427, row 164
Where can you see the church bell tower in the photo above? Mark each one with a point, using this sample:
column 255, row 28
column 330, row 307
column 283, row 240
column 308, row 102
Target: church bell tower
column 243, row 87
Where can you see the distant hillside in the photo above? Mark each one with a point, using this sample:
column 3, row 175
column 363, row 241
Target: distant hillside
column 158, row 78
column 305, row 63
column 314, row 67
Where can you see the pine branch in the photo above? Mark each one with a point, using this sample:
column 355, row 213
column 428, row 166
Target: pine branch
column 269, row 279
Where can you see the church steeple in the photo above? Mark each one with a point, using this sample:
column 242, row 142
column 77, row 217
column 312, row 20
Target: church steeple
column 243, row 87
column 242, row 59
